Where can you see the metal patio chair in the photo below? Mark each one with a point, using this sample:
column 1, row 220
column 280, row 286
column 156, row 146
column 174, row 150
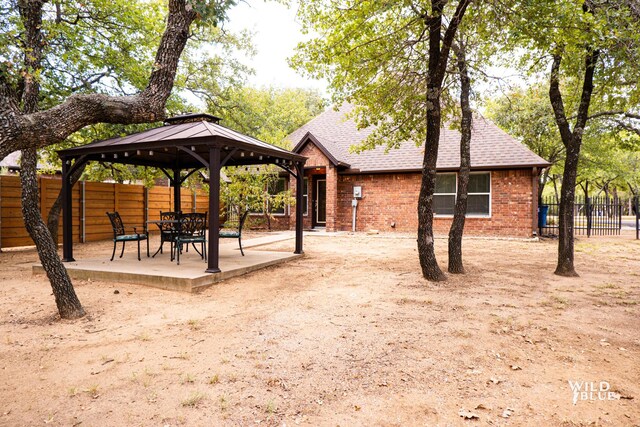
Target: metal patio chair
column 168, row 230
column 192, row 229
column 227, row 232
column 119, row 235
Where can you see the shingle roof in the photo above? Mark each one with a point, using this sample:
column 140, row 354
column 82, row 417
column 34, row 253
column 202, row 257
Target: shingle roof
column 490, row 146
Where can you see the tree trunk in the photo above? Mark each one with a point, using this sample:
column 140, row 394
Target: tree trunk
column 565, row 216
column 426, row 245
column 439, row 48
column 53, row 218
column 67, row 301
column 572, row 141
column 457, row 225
column 543, row 181
column 555, row 189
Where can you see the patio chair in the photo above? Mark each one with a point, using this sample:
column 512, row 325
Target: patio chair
column 192, row 229
column 226, row 232
column 168, row 231
column 119, row 235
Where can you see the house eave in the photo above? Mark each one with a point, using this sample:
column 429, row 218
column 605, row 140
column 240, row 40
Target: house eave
column 356, row 171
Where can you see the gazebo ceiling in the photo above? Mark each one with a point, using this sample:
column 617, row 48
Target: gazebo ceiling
column 183, row 143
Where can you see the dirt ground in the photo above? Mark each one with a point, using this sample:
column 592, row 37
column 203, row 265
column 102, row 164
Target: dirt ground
column 348, row 335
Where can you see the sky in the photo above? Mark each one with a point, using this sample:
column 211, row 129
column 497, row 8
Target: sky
column 276, row 33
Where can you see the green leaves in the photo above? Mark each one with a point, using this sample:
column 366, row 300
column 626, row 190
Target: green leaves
column 211, row 12
column 373, row 53
column 268, row 114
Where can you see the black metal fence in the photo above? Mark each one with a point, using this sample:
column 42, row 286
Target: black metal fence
column 591, row 216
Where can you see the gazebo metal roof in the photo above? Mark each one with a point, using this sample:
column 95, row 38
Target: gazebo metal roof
column 185, row 143
column 174, row 145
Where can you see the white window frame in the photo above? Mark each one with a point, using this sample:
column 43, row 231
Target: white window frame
column 468, row 194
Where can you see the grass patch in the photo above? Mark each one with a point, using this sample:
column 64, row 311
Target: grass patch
column 555, row 301
column 223, row 402
column 194, row 324
column 193, row 400
column 214, row 379
column 93, row 391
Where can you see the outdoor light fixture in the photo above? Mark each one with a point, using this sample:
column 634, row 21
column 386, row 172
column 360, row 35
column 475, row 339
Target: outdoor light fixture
column 193, row 148
column 242, row 154
column 260, row 157
column 103, row 155
column 115, row 156
column 138, row 152
column 151, row 152
column 251, row 154
column 126, row 154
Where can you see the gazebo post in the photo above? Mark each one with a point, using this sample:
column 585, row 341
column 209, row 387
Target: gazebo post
column 177, row 183
column 67, row 217
column 299, row 212
column 214, row 209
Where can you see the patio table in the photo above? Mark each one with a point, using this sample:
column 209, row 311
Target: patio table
column 160, row 223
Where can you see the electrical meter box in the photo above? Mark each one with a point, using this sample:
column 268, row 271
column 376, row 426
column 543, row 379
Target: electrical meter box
column 357, row 192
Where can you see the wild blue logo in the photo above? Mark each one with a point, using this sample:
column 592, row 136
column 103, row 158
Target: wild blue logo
column 592, row 390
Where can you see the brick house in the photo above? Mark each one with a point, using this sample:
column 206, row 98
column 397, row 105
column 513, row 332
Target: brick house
column 502, row 187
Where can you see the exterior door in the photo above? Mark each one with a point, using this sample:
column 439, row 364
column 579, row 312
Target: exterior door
column 320, row 203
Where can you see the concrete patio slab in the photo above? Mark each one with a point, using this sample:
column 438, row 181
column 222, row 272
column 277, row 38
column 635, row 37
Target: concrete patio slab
column 160, row 272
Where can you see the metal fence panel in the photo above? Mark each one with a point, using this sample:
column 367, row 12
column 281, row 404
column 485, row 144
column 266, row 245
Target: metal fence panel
column 591, row 216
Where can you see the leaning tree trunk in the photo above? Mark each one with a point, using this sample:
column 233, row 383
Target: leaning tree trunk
column 457, row 225
column 67, row 301
column 53, row 218
column 426, row 245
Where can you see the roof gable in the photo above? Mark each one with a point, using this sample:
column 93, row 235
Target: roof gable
column 491, row 147
column 309, row 138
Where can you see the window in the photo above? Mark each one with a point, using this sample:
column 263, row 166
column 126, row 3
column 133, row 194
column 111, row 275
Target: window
column 278, row 187
column 444, row 198
column 479, row 194
column 479, row 191
column 305, row 196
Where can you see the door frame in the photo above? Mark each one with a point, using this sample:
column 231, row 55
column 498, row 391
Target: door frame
column 314, row 218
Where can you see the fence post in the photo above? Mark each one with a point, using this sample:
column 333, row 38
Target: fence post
column 587, row 208
column 83, row 212
column 146, row 207
column 637, row 203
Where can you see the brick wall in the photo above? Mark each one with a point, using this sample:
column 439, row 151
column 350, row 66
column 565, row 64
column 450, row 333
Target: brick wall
column 392, row 198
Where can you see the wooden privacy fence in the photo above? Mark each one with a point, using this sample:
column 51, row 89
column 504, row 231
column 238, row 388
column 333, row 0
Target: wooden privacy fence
column 91, row 200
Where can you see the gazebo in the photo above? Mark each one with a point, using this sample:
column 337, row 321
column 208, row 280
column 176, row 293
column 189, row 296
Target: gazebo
column 186, row 144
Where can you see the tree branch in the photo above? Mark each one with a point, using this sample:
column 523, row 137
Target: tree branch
column 47, row 127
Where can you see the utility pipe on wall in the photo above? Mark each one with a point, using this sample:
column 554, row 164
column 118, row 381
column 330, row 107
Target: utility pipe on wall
column 354, row 203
